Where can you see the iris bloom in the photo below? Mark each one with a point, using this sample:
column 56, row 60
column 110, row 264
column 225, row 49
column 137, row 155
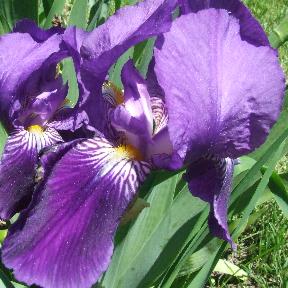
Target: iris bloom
column 206, row 102
column 223, row 90
column 31, row 98
column 65, row 237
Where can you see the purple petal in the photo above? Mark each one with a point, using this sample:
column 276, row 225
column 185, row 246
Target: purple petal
column 18, row 167
column 250, row 29
column 16, row 65
column 66, row 235
column 38, row 34
column 41, row 109
column 218, row 88
column 74, row 37
column 129, row 26
column 134, row 117
column 70, row 119
column 157, row 99
column 211, row 180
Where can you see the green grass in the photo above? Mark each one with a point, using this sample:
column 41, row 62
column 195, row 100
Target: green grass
column 262, row 252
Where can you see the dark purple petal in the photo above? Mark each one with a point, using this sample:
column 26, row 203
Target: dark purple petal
column 67, row 232
column 17, row 65
column 18, row 167
column 129, row 26
column 211, row 180
column 218, row 88
column 250, row 29
column 38, row 34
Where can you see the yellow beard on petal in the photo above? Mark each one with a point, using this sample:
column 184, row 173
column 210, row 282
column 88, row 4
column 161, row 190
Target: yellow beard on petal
column 128, row 151
column 36, row 129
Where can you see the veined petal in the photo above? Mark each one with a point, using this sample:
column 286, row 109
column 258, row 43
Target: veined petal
column 210, row 179
column 218, row 88
column 157, row 99
column 66, row 234
column 250, row 29
column 17, row 168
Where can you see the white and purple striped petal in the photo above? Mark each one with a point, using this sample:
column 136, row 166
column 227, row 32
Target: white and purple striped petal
column 67, row 232
column 18, row 167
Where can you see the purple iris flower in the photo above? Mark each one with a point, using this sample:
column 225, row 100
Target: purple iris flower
column 210, row 97
column 65, row 237
column 31, row 98
column 223, row 89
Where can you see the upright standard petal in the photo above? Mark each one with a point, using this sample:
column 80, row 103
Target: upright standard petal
column 222, row 94
column 65, row 238
column 129, row 26
column 16, row 65
column 210, row 178
column 250, row 29
column 134, row 117
column 18, row 167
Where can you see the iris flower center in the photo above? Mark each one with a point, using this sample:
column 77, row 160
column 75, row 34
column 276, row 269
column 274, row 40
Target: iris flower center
column 36, row 129
column 112, row 93
column 128, row 151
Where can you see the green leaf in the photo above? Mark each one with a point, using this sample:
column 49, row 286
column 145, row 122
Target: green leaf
column 69, row 75
column 4, row 25
column 18, row 285
column 247, row 204
column 56, row 10
column 226, row 267
column 198, row 259
column 3, row 137
column 78, row 16
column 275, row 156
column 143, row 54
column 98, row 14
column 14, row 10
column 278, row 186
column 47, row 5
column 201, row 277
column 155, row 238
column 115, row 71
column 279, row 34
column 252, row 175
column 5, row 281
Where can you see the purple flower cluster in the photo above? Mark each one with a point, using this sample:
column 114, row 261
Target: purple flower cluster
column 213, row 90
